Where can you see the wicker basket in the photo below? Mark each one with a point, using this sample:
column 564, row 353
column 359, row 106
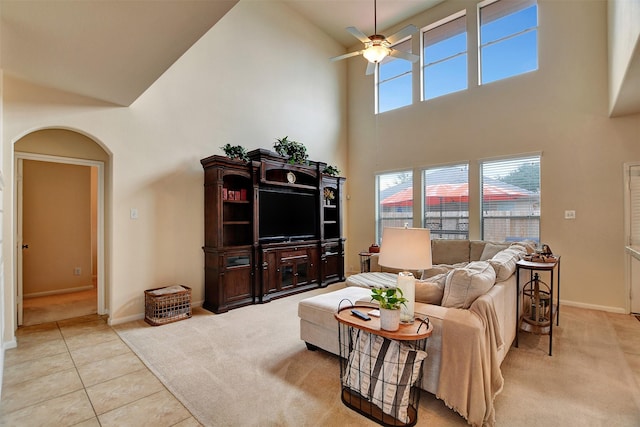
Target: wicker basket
column 167, row 304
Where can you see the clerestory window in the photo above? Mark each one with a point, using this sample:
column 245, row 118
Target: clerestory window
column 508, row 38
column 444, row 57
column 394, row 80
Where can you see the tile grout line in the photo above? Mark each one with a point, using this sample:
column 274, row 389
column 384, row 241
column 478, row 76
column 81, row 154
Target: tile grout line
column 156, row 376
column 59, row 327
column 84, row 387
column 144, row 367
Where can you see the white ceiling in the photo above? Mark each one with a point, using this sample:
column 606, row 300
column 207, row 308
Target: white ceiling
column 113, row 50
column 333, row 16
column 104, row 49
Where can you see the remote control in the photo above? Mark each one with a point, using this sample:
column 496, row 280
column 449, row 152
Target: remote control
column 360, row 314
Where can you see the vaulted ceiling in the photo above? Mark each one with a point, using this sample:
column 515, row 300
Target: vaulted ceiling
column 114, row 50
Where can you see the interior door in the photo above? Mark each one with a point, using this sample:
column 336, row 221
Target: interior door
column 632, row 230
column 19, row 242
column 97, row 219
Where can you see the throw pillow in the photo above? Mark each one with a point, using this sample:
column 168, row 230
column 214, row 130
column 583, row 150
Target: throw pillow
column 490, row 249
column 464, row 285
column 504, row 263
column 437, row 270
column 383, row 371
column 431, row 291
column 528, row 245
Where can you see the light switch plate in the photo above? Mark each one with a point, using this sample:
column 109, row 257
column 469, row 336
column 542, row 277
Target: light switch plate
column 569, row 214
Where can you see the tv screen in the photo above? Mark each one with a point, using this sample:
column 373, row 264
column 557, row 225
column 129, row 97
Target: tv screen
column 287, row 215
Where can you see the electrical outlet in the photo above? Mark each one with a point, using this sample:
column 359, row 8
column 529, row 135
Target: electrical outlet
column 569, row 214
column 77, row 271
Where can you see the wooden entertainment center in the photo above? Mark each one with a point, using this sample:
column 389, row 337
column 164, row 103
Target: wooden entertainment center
column 269, row 231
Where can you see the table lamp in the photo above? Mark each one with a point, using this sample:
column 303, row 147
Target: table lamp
column 406, row 249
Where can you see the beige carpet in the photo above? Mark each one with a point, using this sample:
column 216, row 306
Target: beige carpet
column 248, row 367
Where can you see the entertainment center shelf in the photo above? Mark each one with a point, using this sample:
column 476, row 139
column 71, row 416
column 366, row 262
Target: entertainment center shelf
column 272, row 229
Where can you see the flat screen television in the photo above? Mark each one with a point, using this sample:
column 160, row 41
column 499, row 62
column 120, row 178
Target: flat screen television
column 287, row 216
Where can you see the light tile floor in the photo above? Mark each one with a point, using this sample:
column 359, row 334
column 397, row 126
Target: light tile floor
column 78, row 372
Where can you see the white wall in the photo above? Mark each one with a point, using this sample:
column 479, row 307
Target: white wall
column 624, row 54
column 261, row 73
column 560, row 110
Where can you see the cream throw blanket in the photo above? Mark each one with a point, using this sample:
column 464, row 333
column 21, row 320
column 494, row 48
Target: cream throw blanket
column 477, row 379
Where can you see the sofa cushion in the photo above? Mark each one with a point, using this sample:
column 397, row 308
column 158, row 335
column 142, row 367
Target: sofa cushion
column 437, row 270
column 395, row 271
column 431, row 291
column 475, row 249
column 373, row 280
column 464, row 285
column 449, row 251
column 490, row 249
column 504, row 263
column 319, row 309
column 529, row 245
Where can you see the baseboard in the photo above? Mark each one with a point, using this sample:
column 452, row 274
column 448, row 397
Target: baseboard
column 9, row 344
column 58, row 292
column 120, row 320
column 139, row 316
column 606, row 308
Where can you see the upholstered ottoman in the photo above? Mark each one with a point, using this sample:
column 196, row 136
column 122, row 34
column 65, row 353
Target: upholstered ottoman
column 318, row 326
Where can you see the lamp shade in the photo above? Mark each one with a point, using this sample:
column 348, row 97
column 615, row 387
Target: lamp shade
column 376, row 53
column 405, row 248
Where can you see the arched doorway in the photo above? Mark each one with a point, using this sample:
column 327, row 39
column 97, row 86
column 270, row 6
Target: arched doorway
column 60, row 181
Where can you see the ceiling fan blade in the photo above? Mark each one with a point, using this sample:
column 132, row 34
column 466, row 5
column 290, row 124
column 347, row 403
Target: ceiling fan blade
column 371, row 67
column 404, row 55
column 358, row 34
column 405, row 32
column 346, row 55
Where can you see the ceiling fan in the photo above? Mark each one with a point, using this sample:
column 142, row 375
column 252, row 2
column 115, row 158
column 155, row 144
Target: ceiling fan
column 377, row 47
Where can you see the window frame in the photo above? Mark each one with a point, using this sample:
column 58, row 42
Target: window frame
column 424, row 183
column 524, row 158
column 521, row 5
column 378, row 219
column 423, row 65
column 377, row 76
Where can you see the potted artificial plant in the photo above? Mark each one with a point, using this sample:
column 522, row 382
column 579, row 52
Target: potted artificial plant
column 235, row 152
column 390, row 300
column 294, row 150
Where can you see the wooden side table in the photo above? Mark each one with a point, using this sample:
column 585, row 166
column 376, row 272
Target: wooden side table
column 538, row 308
column 379, row 372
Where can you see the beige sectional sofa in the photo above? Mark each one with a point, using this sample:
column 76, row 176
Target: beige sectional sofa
column 469, row 296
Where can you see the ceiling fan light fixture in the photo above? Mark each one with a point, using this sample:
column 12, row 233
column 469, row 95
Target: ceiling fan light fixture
column 376, row 53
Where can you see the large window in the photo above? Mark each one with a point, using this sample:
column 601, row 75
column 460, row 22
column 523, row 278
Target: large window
column 394, row 200
column 444, row 57
column 511, row 199
column 508, row 38
column 394, row 80
column 446, row 201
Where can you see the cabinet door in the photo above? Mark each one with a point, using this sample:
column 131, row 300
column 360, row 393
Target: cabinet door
column 288, row 273
column 237, row 280
column 270, row 273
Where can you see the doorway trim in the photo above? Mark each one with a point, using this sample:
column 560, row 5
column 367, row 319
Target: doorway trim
column 100, row 244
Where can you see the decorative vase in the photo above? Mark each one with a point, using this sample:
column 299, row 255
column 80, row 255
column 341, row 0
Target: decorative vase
column 389, row 319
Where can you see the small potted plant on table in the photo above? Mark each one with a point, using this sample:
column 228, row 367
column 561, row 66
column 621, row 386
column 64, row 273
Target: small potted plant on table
column 390, row 300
